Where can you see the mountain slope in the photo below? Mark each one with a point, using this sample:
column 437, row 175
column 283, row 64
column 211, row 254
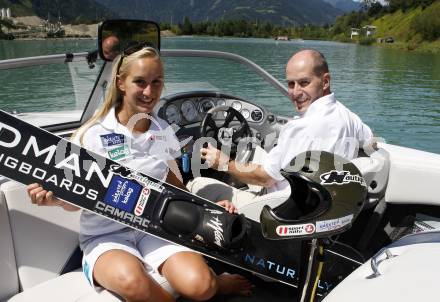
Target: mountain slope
column 78, row 11
column 282, row 12
column 345, row 5
column 414, row 27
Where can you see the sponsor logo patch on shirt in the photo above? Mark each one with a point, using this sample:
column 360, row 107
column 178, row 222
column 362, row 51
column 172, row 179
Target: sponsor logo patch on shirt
column 119, row 153
column 155, row 137
column 112, row 139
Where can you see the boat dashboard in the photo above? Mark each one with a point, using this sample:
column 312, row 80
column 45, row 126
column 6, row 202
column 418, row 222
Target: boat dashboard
column 186, row 113
column 188, row 110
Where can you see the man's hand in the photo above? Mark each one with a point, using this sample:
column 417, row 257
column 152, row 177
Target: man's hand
column 215, row 158
column 229, row 206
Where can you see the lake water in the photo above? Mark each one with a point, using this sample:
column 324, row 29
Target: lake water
column 396, row 92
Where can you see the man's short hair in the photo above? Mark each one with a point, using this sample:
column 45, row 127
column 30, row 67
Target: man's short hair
column 320, row 61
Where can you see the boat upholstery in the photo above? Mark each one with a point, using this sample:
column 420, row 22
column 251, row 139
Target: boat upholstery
column 37, row 243
column 410, row 274
column 9, row 285
column 414, row 176
column 68, row 287
column 375, row 170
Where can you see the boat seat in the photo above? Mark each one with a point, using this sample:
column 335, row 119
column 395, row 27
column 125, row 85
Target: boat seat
column 72, row 286
column 36, row 245
column 375, row 170
column 414, row 176
column 8, row 267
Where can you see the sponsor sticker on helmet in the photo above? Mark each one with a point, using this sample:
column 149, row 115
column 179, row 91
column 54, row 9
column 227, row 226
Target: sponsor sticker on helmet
column 340, row 178
column 333, row 224
column 295, row 229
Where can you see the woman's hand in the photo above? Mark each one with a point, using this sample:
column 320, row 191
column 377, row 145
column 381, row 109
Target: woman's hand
column 41, row 197
column 229, row 206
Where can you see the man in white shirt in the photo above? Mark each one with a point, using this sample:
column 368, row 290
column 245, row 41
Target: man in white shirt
column 324, row 124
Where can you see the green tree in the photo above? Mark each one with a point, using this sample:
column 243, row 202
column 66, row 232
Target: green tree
column 165, row 26
column 186, row 28
column 200, row 28
column 427, row 23
column 375, row 9
column 344, row 23
column 404, row 5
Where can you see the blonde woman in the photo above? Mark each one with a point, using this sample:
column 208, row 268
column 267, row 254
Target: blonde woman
column 135, row 265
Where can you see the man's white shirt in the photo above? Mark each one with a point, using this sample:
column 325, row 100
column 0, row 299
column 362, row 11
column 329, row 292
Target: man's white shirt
column 327, row 125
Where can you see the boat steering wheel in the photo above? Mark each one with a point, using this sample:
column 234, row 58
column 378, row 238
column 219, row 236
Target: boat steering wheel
column 225, row 135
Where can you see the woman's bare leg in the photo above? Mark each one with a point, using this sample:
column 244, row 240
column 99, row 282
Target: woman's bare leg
column 124, row 274
column 190, row 276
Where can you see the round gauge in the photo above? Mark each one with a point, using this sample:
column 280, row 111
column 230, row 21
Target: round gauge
column 246, row 114
column 257, row 115
column 206, row 104
column 173, row 114
column 189, row 111
column 236, row 106
column 221, row 102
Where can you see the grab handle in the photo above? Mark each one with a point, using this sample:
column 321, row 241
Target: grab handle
column 375, row 262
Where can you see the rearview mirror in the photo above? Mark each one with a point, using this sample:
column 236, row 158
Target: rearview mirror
column 116, row 35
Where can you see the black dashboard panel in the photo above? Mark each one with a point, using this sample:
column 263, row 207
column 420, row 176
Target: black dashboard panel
column 189, row 108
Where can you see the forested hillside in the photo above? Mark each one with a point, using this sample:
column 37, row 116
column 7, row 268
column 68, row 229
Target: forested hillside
column 278, row 12
column 345, row 5
column 78, row 11
column 413, row 24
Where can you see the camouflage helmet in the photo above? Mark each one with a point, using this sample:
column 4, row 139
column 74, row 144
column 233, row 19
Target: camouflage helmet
column 327, row 194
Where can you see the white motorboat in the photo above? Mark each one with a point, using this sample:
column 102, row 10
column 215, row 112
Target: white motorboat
column 39, row 254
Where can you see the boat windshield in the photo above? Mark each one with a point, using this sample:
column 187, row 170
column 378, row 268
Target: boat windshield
column 49, row 87
column 59, row 92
